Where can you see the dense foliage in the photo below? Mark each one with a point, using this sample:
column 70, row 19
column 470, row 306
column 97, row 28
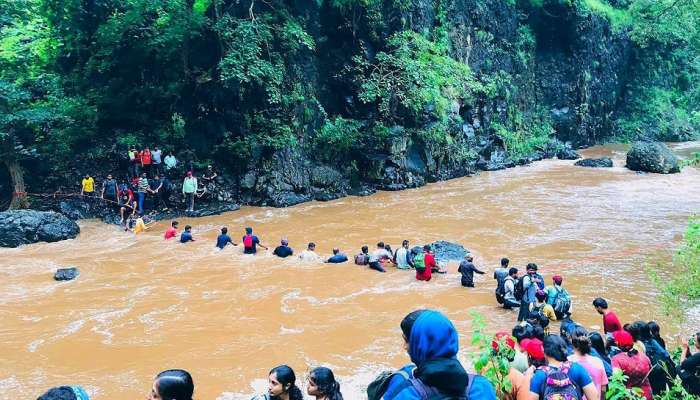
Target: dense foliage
column 235, row 81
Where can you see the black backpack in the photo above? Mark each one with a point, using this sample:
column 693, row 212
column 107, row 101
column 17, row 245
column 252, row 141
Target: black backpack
column 519, row 289
column 376, row 389
column 500, row 289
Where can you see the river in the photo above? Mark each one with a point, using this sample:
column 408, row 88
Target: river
column 142, row 305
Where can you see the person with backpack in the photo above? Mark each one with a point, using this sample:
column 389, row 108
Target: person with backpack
column 509, row 299
column 689, row 369
column 559, row 378
column 467, row 269
column 435, row 372
column 363, row 257
column 423, row 271
column 525, row 290
column 281, row 385
column 633, row 364
column 559, row 298
column 500, row 275
column 544, row 312
column 250, row 242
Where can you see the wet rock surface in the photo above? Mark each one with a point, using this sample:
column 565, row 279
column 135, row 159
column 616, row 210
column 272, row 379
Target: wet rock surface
column 66, row 274
column 653, row 157
column 31, row 226
column 604, row 162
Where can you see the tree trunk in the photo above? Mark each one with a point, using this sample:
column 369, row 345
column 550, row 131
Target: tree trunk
column 19, row 196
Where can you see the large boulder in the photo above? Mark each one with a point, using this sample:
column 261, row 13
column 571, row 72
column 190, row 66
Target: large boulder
column 444, row 251
column 30, row 226
column 652, row 157
column 604, row 162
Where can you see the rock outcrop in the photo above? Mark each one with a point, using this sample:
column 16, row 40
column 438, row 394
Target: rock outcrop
column 652, row 157
column 30, row 226
column 604, row 162
column 66, row 274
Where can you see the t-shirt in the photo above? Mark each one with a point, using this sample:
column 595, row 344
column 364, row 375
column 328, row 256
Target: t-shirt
column 170, row 233
column 402, row 258
column 88, row 185
column 143, row 185
column 577, row 374
column 146, row 157
column 223, row 240
column 140, row 226
column 283, row 251
column 611, row 323
column 636, row 368
column 338, row 258
column 189, row 185
column 186, row 237
column 689, row 373
column 254, row 248
column 519, row 362
column 595, row 368
column 309, row 255
column 170, row 161
column 430, row 261
column 110, row 187
column 378, row 254
column 156, row 154
column 467, row 270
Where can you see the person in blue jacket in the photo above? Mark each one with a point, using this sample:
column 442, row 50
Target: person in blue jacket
column 432, row 343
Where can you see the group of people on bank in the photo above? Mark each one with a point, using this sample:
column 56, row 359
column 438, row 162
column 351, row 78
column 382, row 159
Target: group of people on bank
column 572, row 365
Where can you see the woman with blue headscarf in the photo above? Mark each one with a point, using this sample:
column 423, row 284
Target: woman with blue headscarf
column 432, row 343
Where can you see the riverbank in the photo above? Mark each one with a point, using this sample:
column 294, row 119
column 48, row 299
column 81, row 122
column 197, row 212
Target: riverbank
column 228, row 318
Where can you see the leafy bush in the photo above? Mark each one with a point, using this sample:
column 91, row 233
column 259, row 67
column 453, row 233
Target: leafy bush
column 493, row 365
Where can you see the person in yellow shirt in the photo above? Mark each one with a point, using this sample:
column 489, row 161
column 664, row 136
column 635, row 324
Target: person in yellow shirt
column 88, row 186
column 543, row 310
column 141, row 226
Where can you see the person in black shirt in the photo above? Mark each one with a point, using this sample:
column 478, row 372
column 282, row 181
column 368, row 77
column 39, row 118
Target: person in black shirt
column 283, row 250
column 689, row 370
column 467, row 269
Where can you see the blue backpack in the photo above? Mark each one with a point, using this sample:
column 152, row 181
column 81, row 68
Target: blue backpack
column 558, row 385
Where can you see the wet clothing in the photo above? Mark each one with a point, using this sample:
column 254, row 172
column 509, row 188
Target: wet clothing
column 430, row 262
column 254, row 245
column 611, row 323
column 170, row 233
column 186, row 237
column 283, row 251
column 337, row 258
column 578, row 375
column 467, row 269
column 509, row 293
column 140, row 226
column 376, row 256
column 636, row 367
column 690, row 372
column 362, row 259
column 427, row 273
column 223, row 240
column 403, row 259
column 309, row 255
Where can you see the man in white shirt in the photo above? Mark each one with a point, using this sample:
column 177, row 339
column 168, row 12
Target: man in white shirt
column 309, row 255
column 402, row 257
column 377, row 256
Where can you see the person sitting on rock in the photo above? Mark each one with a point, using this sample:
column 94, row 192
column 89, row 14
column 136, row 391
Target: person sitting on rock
column 363, row 257
column 283, row 250
column 209, row 175
column 337, row 257
column 65, row 393
column 127, row 204
column 309, row 254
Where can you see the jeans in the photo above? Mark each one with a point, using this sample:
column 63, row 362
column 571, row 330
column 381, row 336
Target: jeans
column 524, row 310
column 509, row 304
column 375, row 265
column 141, row 196
column 189, row 201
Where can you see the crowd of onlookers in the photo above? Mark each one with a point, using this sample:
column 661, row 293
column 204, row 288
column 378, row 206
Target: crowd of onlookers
column 147, row 183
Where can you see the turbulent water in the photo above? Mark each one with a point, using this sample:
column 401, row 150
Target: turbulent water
column 142, row 305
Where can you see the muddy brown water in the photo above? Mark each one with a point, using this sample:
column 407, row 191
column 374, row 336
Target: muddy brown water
column 142, row 305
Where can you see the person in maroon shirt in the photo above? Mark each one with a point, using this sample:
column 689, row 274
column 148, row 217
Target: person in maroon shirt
column 610, row 321
column 428, row 261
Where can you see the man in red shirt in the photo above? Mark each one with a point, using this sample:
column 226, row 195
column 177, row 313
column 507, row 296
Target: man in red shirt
column 425, row 262
column 610, row 321
column 172, row 231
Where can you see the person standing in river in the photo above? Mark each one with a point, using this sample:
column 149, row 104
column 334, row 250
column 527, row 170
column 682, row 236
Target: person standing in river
column 424, row 271
column 223, row 239
column 283, row 250
column 377, row 256
column 402, row 257
column 530, row 285
column 337, row 258
column 467, row 269
column 500, row 275
column 250, row 242
column 363, row 257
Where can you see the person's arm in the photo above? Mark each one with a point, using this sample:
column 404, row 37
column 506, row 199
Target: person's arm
column 82, row 188
column 478, row 271
column 591, row 392
column 102, row 195
column 262, row 245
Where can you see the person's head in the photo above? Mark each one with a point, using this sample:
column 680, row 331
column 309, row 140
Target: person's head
column 504, row 262
column 535, row 352
column 426, row 248
column 431, row 335
column 322, row 383
column 282, row 380
column 566, row 329
column 513, row 272
column 209, row 167
column 624, row 340
column 189, row 174
column 174, row 224
column 597, row 343
column 248, row 230
column 284, row 242
column 531, row 268
column 655, row 329
column 173, row 384
column 87, row 176
column 469, row 257
column 538, row 330
column 224, row 230
column 640, row 330
column 540, row 295
column 404, row 244
column 557, row 279
column 380, row 245
column 555, row 348
column 65, row 393
column 336, row 250
column 147, row 149
column 581, row 341
column 109, row 176
column 311, row 246
column 387, row 247
column 365, row 249
column 522, row 332
column 600, row 305
column 143, row 175
column 188, row 228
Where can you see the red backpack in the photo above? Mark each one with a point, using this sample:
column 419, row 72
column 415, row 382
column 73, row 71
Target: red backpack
column 248, row 241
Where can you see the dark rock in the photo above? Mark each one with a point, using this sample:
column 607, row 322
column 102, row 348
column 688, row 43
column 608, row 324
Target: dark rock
column 567, row 153
column 444, row 251
column 66, row 274
column 214, row 209
column 604, row 162
column 30, row 226
column 652, row 157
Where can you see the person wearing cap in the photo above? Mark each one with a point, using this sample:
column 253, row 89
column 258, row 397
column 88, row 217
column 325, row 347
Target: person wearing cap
column 189, row 188
column 467, row 269
column 109, row 189
column 283, row 250
column 65, row 393
column 338, row 257
column 555, row 292
column 555, row 356
column 634, row 364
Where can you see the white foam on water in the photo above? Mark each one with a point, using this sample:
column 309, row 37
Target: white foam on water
column 290, row 331
column 33, row 346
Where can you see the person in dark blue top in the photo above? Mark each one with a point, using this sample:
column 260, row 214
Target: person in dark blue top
column 337, row 257
column 186, row 236
column 250, row 242
column 224, row 239
column 432, row 343
column 283, row 250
